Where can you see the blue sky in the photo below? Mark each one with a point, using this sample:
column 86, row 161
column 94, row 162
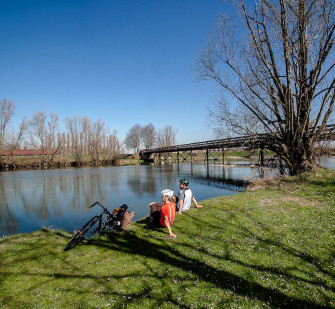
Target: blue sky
column 124, row 61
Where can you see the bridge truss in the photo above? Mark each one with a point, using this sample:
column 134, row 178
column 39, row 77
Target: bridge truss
column 215, row 149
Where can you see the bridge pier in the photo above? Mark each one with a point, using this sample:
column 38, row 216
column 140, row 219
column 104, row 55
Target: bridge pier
column 215, row 156
column 156, row 158
column 146, row 157
column 261, row 156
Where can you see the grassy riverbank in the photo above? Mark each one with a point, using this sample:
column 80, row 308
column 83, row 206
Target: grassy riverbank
column 264, row 248
column 60, row 161
column 35, row 162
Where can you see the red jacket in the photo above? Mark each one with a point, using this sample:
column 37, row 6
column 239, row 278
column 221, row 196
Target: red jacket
column 168, row 210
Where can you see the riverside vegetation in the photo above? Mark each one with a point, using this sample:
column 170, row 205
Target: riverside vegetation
column 269, row 247
column 61, row 161
column 36, row 162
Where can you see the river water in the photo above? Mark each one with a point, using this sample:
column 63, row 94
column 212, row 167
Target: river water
column 60, row 199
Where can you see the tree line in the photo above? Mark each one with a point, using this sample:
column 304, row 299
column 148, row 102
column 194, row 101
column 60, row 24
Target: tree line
column 148, row 137
column 79, row 137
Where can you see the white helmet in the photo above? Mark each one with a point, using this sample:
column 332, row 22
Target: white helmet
column 167, row 192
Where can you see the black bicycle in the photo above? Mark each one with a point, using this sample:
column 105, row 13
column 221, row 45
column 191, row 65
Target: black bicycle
column 106, row 222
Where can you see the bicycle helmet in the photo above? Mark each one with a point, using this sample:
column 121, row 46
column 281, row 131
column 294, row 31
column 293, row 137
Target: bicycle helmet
column 167, row 192
column 124, row 207
column 184, row 181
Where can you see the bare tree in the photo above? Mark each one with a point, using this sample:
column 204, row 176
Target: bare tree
column 53, row 144
column 14, row 141
column 133, row 138
column 43, row 135
column 225, row 121
column 73, row 128
column 98, row 132
column 85, row 125
column 7, row 110
column 62, row 144
column 114, row 145
column 148, row 135
column 277, row 67
column 111, row 148
column 166, row 137
column 39, row 132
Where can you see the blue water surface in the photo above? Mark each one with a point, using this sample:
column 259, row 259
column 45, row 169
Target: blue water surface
column 30, row 200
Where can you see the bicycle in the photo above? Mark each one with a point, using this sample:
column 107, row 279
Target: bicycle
column 107, row 222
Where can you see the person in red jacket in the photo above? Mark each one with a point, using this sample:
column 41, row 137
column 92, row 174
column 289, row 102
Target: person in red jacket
column 164, row 213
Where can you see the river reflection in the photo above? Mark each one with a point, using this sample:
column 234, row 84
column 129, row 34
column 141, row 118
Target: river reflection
column 60, row 198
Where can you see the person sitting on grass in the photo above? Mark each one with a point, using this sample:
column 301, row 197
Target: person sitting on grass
column 185, row 197
column 163, row 214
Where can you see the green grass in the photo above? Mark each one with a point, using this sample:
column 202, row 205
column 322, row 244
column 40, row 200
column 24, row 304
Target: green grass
column 240, row 153
column 267, row 248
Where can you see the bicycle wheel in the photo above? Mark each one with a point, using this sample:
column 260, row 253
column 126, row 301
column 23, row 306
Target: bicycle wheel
column 74, row 240
column 80, row 233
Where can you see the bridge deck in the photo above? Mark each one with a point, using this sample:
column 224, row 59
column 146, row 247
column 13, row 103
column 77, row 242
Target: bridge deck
column 251, row 141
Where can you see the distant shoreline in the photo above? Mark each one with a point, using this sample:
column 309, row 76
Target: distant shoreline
column 34, row 163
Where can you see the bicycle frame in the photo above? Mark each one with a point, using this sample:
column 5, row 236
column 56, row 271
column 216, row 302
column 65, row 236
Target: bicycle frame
column 103, row 222
column 104, row 226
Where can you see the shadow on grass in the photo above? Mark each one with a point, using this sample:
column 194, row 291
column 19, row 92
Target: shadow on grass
column 130, row 243
column 165, row 251
column 267, row 242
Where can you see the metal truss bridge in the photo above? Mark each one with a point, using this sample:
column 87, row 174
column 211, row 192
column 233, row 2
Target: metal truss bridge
column 260, row 141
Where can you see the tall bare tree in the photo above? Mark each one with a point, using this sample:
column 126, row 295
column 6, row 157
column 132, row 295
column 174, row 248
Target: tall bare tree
column 39, row 133
column 43, row 134
column 7, row 110
column 166, row 137
column 133, row 138
column 148, row 135
column 53, row 144
column 98, row 132
column 114, row 145
column 276, row 64
column 14, row 141
column 85, row 126
column 77, row 129
column 111, row 147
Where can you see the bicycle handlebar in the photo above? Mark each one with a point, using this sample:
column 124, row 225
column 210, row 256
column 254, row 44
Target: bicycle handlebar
column 105, row 209
column 94, row 204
